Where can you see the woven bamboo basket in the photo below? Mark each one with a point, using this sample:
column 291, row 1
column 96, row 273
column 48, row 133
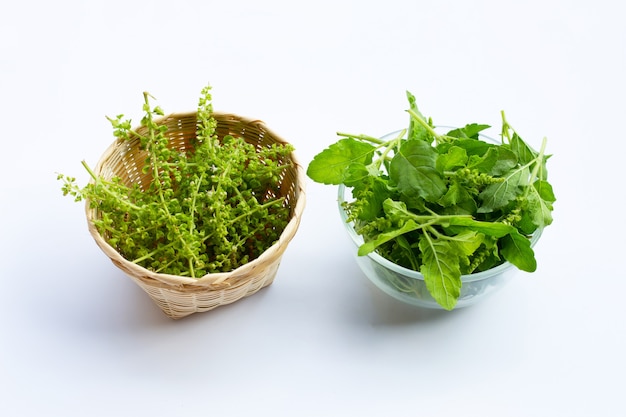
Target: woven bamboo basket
column 181, row 296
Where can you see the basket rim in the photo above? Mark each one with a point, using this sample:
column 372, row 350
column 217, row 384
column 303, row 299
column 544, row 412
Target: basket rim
column 270, row 255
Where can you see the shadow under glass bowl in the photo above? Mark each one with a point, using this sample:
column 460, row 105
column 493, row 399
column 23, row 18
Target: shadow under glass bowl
column 408, row 285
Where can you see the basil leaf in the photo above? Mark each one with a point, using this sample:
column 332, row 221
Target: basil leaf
column 467, row 242
column 371, row 245
column 416, row 131
column 539, row 203
column 355, row 174
column 507, row 160
column 329, row 166
column 474, row 147
column 498, row 195
column 470, row 131
column 485, row 162
column 441, row 270
column 516, row 249
column 413, row 171
column 456, row 195
column 495, row 229
column 369, row 197
column 455, row 157
column 525, row 153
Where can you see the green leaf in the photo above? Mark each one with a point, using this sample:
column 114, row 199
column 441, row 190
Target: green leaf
column 470, row 131
column 516, row 249
column 371, row 245
column 466, row 244
column 484, row 163
column 369, row 197
column 355, row 174
column 413, row 171
column 329, row 166
column 539, row 203
column 488, row 157
column 409, row 253
column 441, row 270
column 468, row 241
column 455, row 195
column 507, row 160
column 544, row 189
column 396, row 210
column 419, row 153
column 495, row 229
column 524, row 153
column 498, row 195
column 455, row 157
column 527, row 155
column 474, row 147
column 416, row 130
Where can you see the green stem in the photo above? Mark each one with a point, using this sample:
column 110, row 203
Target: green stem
column 258, row 208
column 365, row 138
column 506, row 128
column 424, row 124
column 248, row 213
column 391, row 145
column 151, row 254
column 538, row 162
column 192, row 210
column 105, row 188
column 154, row 162
column 436, row 218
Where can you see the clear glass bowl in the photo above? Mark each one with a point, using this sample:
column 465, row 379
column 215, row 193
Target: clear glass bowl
column 408, row 285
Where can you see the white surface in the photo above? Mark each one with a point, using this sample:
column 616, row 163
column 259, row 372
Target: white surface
column 80, row 339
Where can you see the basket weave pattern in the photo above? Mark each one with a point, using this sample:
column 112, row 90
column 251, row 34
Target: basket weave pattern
column 180, row 296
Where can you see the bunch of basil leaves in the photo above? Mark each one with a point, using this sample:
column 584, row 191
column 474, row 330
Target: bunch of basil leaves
column 444, row 204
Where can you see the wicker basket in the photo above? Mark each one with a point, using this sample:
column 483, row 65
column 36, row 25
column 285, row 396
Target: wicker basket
column 180, row 296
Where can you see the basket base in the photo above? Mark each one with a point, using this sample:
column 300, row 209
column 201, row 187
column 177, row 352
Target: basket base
column 178, row 303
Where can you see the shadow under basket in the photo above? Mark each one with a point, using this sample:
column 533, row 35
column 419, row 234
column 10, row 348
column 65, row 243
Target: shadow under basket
column 181, row 296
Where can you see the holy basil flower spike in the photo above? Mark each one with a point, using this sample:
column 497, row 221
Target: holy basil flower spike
column 205, row 209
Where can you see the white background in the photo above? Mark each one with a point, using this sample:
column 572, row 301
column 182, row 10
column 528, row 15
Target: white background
column 78, row 338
